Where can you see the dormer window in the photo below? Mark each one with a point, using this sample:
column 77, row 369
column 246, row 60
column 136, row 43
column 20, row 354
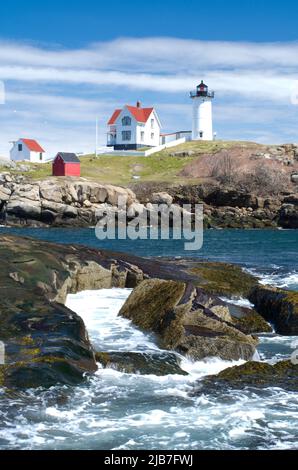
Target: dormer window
column 126, row 121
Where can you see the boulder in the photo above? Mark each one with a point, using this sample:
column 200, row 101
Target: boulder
column 24, row 208
column 283, row 374
column 244, row 319
column 232, row 198
column 249, row 321
column 135, row 209
column 58, row 208
column 98, row 194
column 72, row 192
column 51, row 191
column 4, row 194
column 278, row 306
column 27, row 191
column 288, row 216
column 70, row 212
column 38, row 360
column 170, row 309
column 116, row 192
column 294, row 177
column 161, row 198
column 156, row 363
column 93, row 192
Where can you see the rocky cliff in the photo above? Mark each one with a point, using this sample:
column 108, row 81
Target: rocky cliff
column 226, row 206
column 77, row 202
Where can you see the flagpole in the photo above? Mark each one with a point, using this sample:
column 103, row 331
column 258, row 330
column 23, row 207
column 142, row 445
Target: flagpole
column 96, row 137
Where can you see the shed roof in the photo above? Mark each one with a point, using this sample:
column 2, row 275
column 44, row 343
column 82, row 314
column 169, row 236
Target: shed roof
column 68, row 157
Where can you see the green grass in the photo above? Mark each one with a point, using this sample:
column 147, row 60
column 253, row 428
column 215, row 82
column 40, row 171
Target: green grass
column 160, row 167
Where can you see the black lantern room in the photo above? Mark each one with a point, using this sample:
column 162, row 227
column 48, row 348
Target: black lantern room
column 202, row 90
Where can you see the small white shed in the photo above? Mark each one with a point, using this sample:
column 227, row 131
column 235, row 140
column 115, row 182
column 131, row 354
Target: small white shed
column 27, row 150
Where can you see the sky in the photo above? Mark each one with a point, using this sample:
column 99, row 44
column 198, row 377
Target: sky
column 64, row 64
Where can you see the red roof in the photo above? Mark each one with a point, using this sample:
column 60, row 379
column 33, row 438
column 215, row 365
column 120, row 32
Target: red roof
column 140, row 114
column 114, row 116
column 33, row 145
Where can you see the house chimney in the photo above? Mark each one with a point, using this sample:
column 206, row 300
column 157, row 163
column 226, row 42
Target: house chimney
column 138, row 104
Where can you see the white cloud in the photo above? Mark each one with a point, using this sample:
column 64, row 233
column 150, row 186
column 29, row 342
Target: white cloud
column 57, row 91
column 171, row 52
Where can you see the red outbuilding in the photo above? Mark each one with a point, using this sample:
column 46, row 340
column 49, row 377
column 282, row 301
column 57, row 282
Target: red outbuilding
column 66, row 164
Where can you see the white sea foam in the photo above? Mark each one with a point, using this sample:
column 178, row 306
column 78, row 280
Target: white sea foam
column 277, row 278
column 107, row 330
column 240, row 301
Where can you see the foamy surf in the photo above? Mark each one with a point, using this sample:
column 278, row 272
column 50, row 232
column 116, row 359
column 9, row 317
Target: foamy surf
column 277, row 278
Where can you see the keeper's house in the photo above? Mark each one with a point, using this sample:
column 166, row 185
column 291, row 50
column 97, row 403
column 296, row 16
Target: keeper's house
column 133, row 127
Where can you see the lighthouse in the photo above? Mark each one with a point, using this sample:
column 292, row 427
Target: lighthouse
column 202, row 128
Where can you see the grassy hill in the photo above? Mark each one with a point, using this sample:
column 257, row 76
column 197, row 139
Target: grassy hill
column 160, row 167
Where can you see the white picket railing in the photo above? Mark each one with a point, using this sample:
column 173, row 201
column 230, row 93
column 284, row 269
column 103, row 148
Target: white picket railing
column 146, row 153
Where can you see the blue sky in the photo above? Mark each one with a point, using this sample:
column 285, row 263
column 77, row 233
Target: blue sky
column 64, row 64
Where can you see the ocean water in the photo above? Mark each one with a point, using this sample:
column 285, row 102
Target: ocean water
column 114, row 410
column 272, row 254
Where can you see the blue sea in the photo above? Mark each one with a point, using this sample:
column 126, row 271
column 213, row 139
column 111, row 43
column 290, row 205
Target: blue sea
column 273, row 254
column 115, row 410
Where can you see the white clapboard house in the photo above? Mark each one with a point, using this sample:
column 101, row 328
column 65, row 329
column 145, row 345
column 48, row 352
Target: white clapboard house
column 27, row 150
column 133, row 127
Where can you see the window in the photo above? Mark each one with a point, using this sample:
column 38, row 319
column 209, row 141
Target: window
column 142, row 136
column 152, row 135
column 20, row 147
column 40, row 156
column 126, row 135
column 152, row 123
column 201, row 134
column 126, row 121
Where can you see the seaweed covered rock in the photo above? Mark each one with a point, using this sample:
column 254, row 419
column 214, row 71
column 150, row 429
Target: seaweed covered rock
column 283, row 374
column 244, row 319
column 46, row 343
column 157, row 363
column 249, row 321
column 278, row 306
column 221, row 278
column 172, row 311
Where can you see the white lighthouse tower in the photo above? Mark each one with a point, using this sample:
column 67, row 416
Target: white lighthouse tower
column 202, row 128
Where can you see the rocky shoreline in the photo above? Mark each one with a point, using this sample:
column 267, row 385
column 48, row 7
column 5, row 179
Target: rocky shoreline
column 77, row 202
column 47, row 343
column 228, row 207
